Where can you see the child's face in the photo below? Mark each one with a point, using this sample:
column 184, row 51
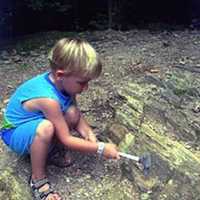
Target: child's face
column 73, row 84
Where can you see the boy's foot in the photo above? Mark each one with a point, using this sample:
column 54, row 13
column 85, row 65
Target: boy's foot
column 42, row 190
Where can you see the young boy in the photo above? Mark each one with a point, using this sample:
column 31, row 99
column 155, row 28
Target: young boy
column 42, row 111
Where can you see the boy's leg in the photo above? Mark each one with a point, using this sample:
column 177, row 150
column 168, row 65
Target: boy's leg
column 62, row 156
column 39, row 151
column 72, row 117
column 76, row 121
column 39, row 148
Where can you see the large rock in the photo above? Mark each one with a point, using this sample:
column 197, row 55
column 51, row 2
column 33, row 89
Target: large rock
column 160, row 112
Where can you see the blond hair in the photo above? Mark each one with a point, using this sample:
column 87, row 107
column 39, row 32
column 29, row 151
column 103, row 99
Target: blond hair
column 75, row 56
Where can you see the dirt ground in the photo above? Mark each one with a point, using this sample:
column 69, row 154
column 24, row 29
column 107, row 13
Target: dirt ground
column 123, row 54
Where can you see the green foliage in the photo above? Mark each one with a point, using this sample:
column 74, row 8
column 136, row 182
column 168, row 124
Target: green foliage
column 41, row 5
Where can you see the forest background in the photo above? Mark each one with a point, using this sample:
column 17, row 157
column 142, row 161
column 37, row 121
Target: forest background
column 30, row 16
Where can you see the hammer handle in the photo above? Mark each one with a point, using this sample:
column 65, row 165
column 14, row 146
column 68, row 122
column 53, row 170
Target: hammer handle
column 126, row 155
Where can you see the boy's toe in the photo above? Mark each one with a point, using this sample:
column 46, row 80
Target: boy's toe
column 54, row 196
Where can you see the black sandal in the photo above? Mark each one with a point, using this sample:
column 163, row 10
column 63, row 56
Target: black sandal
column 37, row 184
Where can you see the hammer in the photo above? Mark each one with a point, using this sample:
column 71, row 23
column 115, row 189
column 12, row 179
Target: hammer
column 145, row 160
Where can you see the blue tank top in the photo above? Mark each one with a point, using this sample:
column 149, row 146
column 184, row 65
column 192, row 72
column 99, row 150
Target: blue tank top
column 37, row 87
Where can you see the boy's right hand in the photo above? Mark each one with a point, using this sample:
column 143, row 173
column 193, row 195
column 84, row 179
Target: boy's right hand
column 110, row 151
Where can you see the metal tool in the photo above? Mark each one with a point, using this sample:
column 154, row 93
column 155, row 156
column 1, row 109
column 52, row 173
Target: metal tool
column 145, row 160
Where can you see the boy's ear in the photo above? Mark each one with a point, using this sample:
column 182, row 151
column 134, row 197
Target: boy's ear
column 60, row 74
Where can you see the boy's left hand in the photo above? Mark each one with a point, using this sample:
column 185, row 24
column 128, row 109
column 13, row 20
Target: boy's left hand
column 91, row 137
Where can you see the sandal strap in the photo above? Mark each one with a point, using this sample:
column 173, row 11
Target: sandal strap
column 36, row 184
column 46, row 193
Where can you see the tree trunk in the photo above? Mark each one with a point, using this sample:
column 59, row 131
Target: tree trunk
column 110, row 14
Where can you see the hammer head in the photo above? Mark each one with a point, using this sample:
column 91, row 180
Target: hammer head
column 145, row 160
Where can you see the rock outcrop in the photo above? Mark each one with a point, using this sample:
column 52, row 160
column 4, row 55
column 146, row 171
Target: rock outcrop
column 162, row 114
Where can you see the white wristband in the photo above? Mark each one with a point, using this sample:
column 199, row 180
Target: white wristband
column 100, row 148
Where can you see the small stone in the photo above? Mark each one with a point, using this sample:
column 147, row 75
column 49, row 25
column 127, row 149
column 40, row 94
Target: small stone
column 117, row 133
column 196, row 107
column 16, row 59
column 144, row 196
column 7, row 62
column 152, row 54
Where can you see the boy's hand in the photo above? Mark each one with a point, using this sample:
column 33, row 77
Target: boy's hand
column 110, row 151
column 91, row 137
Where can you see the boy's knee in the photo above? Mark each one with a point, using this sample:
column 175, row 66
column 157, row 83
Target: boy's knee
column 45, row 129
column 72, row 116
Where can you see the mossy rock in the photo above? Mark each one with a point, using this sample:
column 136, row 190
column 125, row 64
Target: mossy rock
column 11, row 187
column 162, row 122
column 109, row 190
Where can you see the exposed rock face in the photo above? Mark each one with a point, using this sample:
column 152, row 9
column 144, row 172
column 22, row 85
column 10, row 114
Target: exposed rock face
column 162, row 114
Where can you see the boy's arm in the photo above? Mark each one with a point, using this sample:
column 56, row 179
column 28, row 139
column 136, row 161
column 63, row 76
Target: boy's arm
column 83, row 127
column 53, row 113
column 85, row 130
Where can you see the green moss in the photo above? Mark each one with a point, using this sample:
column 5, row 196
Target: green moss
column 170, row 191
column 145, row 196
column 116, row 190
column 128, row 116
column 177, row 155
column 109, row 190
column 146, row 183
column 180, row 83
column 11, row 187
column 127, row 142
